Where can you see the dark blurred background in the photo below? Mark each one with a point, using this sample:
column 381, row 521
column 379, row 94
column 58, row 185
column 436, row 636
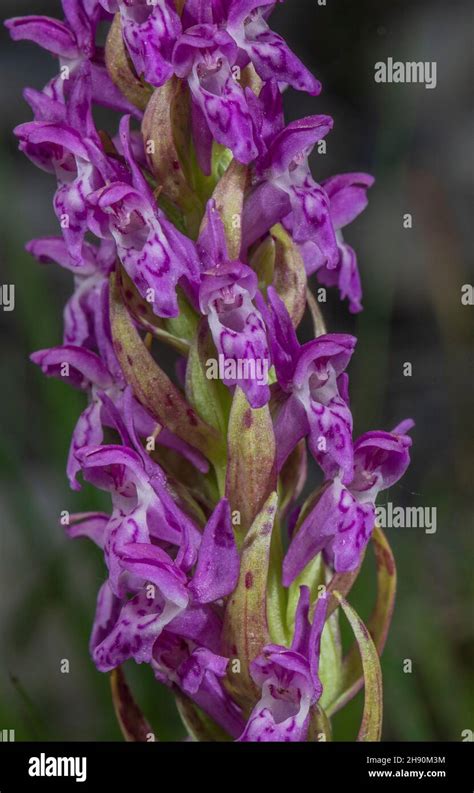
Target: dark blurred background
column 417, row 143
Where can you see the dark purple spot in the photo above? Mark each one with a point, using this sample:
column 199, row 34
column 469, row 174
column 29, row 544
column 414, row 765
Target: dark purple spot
column 248, row 580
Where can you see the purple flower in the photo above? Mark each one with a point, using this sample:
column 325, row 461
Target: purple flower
column 154, row 253
column 289, row 680
column 347, row 194
column 150, row 30
column 187, row 656
column 205, row 55
column 286, row 190
column 180, row 594
column 210, row 54
column 73, row 42
column 342, row 520
column 225, row 295
column 82, row 313
column 269, row 52
column 312, row 398
column 72, row 151
column 161, row 590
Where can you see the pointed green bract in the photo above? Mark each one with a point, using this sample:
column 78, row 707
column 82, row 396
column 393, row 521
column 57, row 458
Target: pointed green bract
column 246, row 629
column 289, row 274
column 229, row 197
column 208, row 396
column 251, row 472
column 371, row 726
column 378, row 623
column 165, row 130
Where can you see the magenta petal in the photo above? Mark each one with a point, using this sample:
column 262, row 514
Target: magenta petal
column 314, row 533
column 348, row 195
column 217, row 569
column 88, row 524
column 265, row 205
column 345, row 276
column 87, row 432
column 106, row 93
column 272, row 58
column 49, row 33
column 295, row 139
column 73, row 364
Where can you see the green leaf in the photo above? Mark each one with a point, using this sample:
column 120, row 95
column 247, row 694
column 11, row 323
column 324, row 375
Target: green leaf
column 152, row 386
column 251, row 474
column 245, row 631
column 277, row 595
column 371, row 726
column 132, row 722
column 330, row 660
column 378, row 623
column 183, row 326
column 208, row 396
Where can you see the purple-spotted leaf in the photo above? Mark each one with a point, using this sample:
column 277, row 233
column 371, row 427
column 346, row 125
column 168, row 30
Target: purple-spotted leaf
column 251, row 474
column 379, row 621
column 246, row 629
column 371, row 726
column 289, row 274
column 132, row 722
column 121, row 70
column 152, row 386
